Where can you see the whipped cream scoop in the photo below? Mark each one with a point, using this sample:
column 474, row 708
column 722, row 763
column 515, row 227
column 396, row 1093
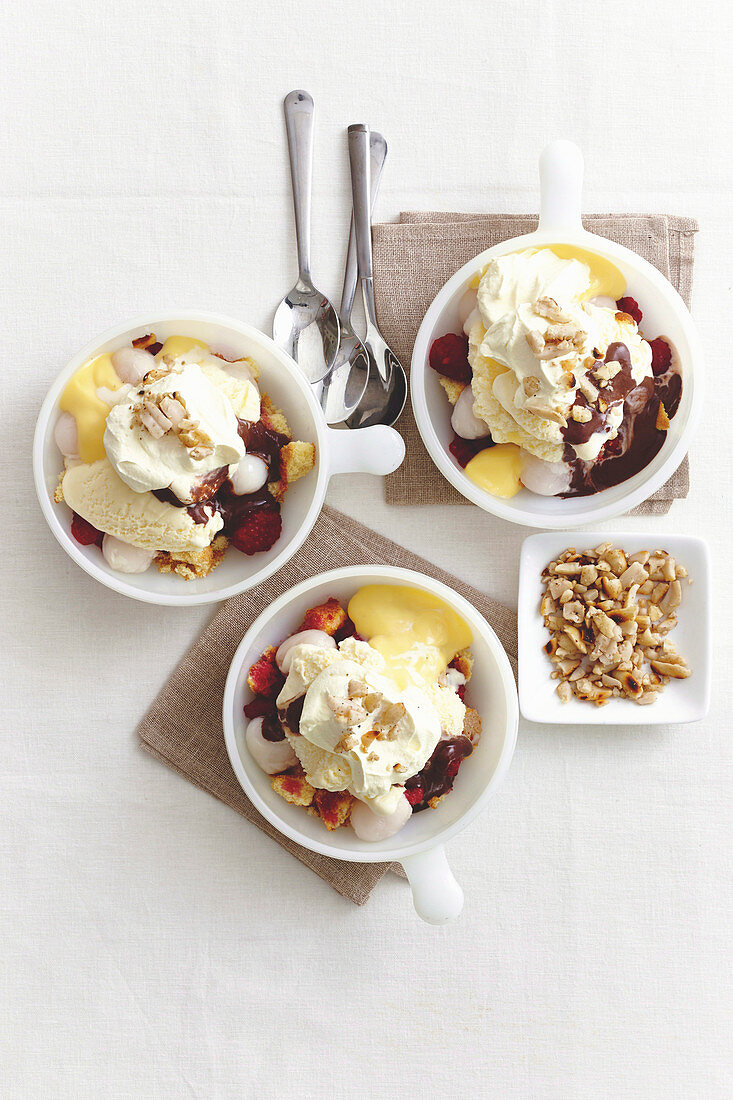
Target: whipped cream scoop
column 172, row 429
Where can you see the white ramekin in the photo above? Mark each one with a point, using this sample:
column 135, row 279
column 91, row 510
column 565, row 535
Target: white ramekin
column 376, row 450
column 419, row 847
column 665, row 314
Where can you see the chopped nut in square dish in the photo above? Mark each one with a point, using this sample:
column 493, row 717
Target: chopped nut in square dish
column 609, row 615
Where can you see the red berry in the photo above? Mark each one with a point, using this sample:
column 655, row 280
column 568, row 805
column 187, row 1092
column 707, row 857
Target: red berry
column 461, row 692
column 414, row 795
column 258, row 531
column 630, row 306
column 258, row 707
column 463, row 450
column 84, row 533
column 661, row 355
column 452, row 769
column 449, row 357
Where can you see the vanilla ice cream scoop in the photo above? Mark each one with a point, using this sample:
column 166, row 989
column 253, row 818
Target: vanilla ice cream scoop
column 97, row 494
column 176, row 426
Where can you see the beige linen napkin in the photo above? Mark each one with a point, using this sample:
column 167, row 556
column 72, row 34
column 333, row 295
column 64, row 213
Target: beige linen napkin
column 414, row 257
column 183, row 727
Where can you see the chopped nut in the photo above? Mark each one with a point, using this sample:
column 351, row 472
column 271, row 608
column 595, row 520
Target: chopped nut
column 588, row 390
column 608, row 615
column 548, row 307
column 663, row 420
column 581, row 414
column 546, row 412
column 530, row 385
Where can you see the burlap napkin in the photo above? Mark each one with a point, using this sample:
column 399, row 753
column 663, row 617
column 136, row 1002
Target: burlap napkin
column 414, row 257
column 183, row 727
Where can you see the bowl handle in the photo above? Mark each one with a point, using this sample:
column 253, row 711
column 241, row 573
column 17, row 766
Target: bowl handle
column 375, row 450
column 561, row 184
column 436, row 895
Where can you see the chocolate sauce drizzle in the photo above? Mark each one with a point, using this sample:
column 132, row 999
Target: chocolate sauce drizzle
column 638, row 439
column 437, row 777
column 215, row 493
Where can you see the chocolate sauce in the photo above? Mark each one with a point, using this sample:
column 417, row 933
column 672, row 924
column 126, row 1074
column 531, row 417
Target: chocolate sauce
column 205, row 488
column 263, row 442
column 436, row 778
column 272, row 729
column 638, row 440
column 290, row 717
column 235, row 509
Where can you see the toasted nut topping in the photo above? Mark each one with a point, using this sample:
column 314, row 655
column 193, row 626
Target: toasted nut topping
column 530, row 385
column 608, row 617
column 581, row 414
column 663, row 420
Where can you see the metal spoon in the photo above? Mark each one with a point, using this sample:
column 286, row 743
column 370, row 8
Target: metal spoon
column 344, row 387
column 305, row 325
column 386, row 391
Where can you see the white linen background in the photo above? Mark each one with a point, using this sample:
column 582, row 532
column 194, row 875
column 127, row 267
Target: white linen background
column 153, row 943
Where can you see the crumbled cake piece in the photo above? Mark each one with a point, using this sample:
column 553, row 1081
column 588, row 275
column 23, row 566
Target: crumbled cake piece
column 334, row 807
column 58, row 493
column 273, row 417
column 294, row 788
column 264, row 677
column 296, row 460
column 463, row 663
column 193, row 564
column 452, row 388
column 329, row 617
column 472, row 725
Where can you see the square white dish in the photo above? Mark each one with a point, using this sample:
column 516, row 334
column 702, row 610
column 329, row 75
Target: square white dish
column 681, row 700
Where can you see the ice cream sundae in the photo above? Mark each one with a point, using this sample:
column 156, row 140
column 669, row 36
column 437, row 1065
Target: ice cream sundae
column 171, row 454
column 553, row 385
column 360, row 715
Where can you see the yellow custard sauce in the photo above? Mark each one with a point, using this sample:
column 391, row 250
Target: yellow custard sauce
column 417, row 633
column 605, row 277
column 497, row 470
column 90, row 411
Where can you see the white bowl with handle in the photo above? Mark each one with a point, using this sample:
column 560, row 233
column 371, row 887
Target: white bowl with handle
column 375, row 450
column 664, row 314
column 420, row 845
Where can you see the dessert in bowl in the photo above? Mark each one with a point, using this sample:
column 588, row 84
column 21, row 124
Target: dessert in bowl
column 182, row 459
column 555, row 378
column 383, row 717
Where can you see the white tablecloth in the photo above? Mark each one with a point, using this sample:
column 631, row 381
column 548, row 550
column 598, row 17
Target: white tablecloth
column 153, row 943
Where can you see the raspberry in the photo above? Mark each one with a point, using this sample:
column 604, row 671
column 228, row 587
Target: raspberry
column 452, row 769
column 84, row 533
column 258, row 531
column 258, row 707
column 449, row 357
column 463, row 450
column 414, row 795
column 461, row 692
column 630, row 306
column 661, row 355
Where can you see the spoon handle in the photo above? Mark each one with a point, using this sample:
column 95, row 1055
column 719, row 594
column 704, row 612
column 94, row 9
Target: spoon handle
column 378, row 151
column 360, row 187
column 299, row 112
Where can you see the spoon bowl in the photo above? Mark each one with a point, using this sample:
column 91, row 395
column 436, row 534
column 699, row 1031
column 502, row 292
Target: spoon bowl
column 306, row 326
